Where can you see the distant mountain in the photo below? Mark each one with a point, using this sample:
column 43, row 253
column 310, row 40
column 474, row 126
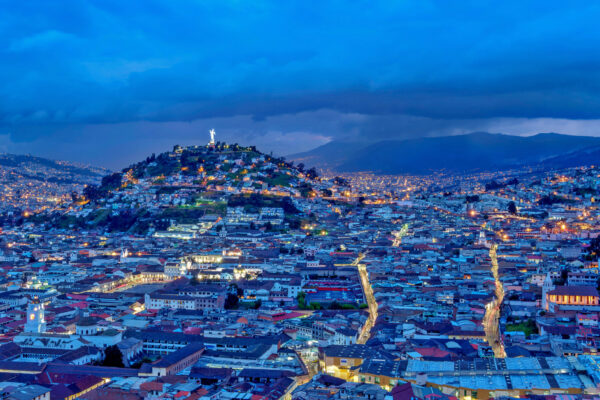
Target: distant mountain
column 587, row 156
column 475, row 151
column 330, row 155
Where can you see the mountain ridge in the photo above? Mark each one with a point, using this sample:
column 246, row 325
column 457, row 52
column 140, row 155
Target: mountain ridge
column 478, row 151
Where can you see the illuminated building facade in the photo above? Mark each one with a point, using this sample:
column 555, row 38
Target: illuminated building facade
column 565, row 296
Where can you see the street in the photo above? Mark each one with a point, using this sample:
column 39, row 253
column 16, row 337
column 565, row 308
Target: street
column 365, row 333
column 492, row 310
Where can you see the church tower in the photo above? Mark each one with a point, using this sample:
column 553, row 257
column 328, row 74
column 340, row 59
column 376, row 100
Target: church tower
column 546, row 287
column 124, row 255
column 35, row 317
column 482, row 241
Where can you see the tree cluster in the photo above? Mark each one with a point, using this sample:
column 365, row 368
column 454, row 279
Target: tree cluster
column 494, row 185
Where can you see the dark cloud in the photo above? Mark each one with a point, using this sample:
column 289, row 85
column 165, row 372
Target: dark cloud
column 290, row 69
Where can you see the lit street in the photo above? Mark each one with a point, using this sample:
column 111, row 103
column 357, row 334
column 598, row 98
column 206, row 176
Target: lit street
column 492, row 310
column 368, row 291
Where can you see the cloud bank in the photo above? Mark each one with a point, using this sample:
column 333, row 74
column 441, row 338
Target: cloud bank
column 82, row 78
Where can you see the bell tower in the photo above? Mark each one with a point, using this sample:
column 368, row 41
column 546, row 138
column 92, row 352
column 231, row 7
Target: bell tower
column 482, row 241
column 546, row 287
column 35, row 317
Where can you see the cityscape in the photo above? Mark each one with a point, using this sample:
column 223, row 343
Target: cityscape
column 162, row 245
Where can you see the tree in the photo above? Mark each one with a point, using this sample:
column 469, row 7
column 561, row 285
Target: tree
column 512, row 208
column 92, row 192
column 288, row 206
column 294, row 224
column 113, row 357
column 338, row 180
column 549, row 200
column 231, row 302
column 335, row 305
column 112, row 181
column 138, row 364
column 312, row 173
column 301, row 298
column 122, row 221
column 493, row 185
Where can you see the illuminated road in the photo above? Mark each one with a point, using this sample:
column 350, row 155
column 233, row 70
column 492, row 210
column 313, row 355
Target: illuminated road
column 365, row 332
column 121, row 285
column 398, row 235
column 492, row 310
column 312, row 367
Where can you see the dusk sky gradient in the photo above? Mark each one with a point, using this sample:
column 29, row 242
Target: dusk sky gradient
column 108, row 82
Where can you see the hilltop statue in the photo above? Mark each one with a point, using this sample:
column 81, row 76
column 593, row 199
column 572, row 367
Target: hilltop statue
column 212, row 137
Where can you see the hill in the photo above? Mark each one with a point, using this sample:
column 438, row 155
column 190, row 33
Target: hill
column 188, row 185
column 472, row 152
column 45, row 170
column 34, row 183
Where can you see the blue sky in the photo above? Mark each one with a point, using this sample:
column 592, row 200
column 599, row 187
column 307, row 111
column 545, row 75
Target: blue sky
column 107, row 82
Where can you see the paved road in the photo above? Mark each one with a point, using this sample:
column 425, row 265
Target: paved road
column 492, row 311
column 365, row 333
column 398, row 235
